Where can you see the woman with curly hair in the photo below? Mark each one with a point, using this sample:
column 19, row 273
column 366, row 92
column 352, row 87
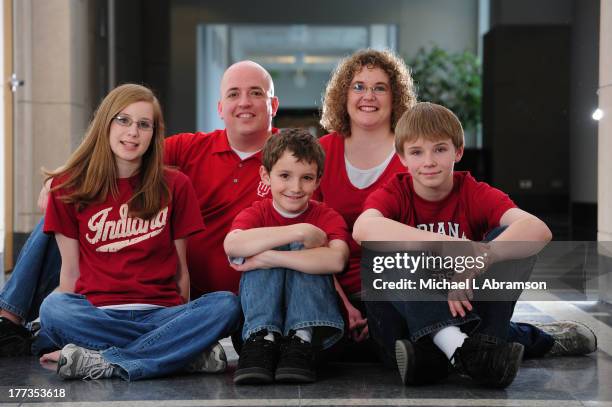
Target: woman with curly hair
column 367, row 94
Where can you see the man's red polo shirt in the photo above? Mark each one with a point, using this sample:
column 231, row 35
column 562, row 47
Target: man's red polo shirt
column 224, row 185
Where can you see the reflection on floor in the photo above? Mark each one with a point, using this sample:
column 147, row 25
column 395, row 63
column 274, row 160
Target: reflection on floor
column 560, row 382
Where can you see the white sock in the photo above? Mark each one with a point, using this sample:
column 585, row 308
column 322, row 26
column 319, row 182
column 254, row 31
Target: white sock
column 304, row 334
column 269, row 336
column 449, row 339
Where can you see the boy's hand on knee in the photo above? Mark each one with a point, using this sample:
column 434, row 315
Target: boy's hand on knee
column 459, row 299
column 458, row 304
column 459, row 307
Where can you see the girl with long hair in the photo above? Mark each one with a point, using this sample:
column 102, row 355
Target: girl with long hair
column 121, row 220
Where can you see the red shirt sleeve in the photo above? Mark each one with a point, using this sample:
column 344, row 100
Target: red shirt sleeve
column 386, row 199
column 61, row 217
column 490, row 203
column 174, row 147
column 333, row 225
column 170, row 150
column 249, row 218
column 186, row 216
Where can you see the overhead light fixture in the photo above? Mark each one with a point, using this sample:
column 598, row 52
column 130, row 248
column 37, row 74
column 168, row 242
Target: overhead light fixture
column 274, row 59
column 321, row 59
column 597, row 114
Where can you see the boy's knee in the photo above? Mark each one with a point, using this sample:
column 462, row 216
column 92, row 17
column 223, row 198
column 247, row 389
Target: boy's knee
column 229, row 301
column 52, row 306
column 229, row 304
column 307, row 281
column 222, row 300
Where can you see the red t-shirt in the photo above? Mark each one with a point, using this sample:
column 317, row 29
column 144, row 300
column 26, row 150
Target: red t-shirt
column 470, row 210
column 337, row 191
column 125, row 260
column 262, row 214
column 224, row 186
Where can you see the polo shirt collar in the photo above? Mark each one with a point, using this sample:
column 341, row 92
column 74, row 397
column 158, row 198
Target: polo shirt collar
column 221, row 143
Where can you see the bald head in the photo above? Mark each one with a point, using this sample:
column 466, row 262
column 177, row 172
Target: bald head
column 247, row 70
column 247, row 105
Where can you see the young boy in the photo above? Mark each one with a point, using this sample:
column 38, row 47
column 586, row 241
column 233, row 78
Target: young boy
column 287, row 247
column 429, row 141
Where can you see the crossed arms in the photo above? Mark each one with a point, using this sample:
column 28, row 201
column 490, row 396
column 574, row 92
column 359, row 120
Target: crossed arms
column 257, row 247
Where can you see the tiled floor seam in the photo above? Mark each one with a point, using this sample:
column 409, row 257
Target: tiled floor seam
column 334, row 402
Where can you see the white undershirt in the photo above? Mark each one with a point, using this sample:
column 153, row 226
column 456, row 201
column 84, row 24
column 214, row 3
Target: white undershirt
column 244, row 155
column 287, row 214
column 132, row 307
column 364, row 178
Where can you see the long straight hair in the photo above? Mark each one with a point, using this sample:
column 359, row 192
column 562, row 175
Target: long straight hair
column 90, row 174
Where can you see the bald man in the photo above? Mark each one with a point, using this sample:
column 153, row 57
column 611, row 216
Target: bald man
column 224, row 168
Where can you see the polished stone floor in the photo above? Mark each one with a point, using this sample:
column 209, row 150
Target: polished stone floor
column 549, row 382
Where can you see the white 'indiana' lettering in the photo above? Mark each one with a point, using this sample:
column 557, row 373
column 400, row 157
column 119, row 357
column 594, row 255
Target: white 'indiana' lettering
column 442, row 228
column 104, row 230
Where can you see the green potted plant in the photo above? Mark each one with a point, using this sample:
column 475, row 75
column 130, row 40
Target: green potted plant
column 452, row 80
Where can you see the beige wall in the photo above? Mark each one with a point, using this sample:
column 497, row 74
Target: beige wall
column 53, row 56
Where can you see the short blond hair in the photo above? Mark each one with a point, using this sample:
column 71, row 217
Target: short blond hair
column 429, row 121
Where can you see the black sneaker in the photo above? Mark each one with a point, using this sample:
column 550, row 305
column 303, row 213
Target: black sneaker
column 297, row 360
column 421, row 362
column 487, row 362
column 15, row 340
column 258, row 359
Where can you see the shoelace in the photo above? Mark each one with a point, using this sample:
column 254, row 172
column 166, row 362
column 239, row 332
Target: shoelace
column 561, row 344
column 95, row 364
column 100, row 370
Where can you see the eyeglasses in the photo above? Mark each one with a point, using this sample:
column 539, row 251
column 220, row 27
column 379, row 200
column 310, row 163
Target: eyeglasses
column 126, row 121
column 359, row 88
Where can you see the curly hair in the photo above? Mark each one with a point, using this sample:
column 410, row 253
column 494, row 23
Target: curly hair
column 334, row 115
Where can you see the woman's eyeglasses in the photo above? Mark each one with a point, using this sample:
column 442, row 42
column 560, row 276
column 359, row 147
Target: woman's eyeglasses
column 379, row 89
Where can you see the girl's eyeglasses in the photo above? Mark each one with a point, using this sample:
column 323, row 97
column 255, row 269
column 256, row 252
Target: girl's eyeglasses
column 126, row 121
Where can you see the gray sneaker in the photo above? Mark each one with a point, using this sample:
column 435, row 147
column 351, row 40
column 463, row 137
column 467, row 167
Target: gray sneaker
column 212, row 360
column 571, row 338
column 76, row 362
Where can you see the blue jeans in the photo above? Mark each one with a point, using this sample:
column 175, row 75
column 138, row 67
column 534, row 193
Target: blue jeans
column 36, row 274
column 281, row 300
column 536, row 342
column 143, row 344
